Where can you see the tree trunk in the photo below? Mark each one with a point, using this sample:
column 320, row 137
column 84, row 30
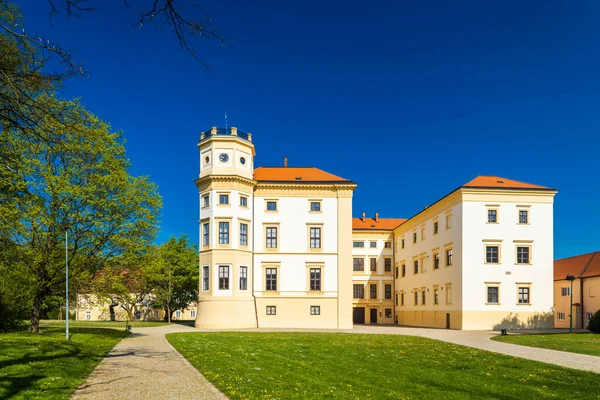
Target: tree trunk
column 169, row 314
column 36, row 312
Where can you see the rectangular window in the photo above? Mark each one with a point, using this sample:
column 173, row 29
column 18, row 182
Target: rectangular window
column 436, row 227
column 223, row 199
column 315, row 310
column 492, row 294
column 560, row 316
column 244, row 234
column 243, row 201
column 491, row 254
column 396, row 272
column 193, row 313
column 271, row 279
column 315, row 279
column 403, row 270
column 522, row 255
column 373, row 262
column 243, row 278
column 523, row 216
column 271, row 206
column 388, row 313
column 388, row 291
column 388, row 245
column 178, row 314
column 315, row 206
column 523, row 295
column 414, row 237
column 416, row 265
column 88, row 315
column 423, row 294
column 372, row 245
column 416, row 298
column 436, row 260
column 205, row 234
column 205, row 201
column 223, row 277
column 205, row 277
column 448, row 221
column 448, row 257
column 402, row 298
column 566, row 291
column 359, row 291
column 373, row 291
column 223, row 232
column 492, row 216
column 271, row 310
column 358, row 244
column 588, row 316
column 388, row 264
column 359, row 264
column 315, row 238
column 436, row 296
column 271, row 238
column 396, row 298
column 402, row 242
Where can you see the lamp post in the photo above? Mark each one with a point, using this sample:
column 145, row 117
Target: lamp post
column 571, row 278
column 66, row 228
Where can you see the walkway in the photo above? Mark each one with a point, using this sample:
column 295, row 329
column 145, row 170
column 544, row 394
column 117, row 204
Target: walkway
column 145, row 366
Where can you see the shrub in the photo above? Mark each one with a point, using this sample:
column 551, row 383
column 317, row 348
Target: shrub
column 594, row 323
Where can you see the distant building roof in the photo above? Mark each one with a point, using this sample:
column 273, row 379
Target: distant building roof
column 581, row 266
column 497, row 182
column 380, row 224
column 296, row 174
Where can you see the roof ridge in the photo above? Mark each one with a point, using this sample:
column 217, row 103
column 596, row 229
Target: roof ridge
column 579, row 255
column 588, row 264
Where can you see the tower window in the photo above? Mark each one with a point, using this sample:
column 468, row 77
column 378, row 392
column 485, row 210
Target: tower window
column 223, row 232
column 223, row 199
column 243, row 201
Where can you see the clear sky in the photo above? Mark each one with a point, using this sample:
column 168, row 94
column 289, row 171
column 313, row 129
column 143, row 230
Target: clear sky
column 408, row 99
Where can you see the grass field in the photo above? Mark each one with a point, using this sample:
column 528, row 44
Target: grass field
column 351, row 366
column 46, row 366
column 583, row 343
column 101, row 324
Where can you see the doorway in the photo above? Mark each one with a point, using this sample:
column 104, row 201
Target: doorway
column 447, row 320
column 373, row 315
column 358, row 316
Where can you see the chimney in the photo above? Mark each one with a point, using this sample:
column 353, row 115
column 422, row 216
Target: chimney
column 425, row 207
column 285, row 162
column 376, row 217
column 364, row 215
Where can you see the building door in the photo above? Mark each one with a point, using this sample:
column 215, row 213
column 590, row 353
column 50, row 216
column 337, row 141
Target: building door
column 358, row 316
column 373, row 319
column 447, row 320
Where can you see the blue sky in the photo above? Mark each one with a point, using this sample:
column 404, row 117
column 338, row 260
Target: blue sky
column 408, row 99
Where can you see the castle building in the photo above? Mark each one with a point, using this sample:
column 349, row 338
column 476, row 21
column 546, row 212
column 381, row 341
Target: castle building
column 279, row 248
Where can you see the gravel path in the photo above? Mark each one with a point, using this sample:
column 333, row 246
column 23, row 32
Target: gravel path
column 145, row 366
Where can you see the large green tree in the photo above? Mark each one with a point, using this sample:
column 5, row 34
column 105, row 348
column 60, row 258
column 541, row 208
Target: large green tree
column 72, row 177
column 173, row 275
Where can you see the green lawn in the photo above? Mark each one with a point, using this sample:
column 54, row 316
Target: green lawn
column 352, row 366
column 46, row 366
column 583, row 343
column 101, row 324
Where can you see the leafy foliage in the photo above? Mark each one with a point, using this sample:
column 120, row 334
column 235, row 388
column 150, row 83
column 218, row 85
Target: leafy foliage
column 173, row 275
column 594, row 323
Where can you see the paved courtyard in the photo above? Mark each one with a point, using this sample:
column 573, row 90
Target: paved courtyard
column 145, row 365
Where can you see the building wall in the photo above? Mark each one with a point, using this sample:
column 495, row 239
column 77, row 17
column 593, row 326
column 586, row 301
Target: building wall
column 447, row 279
column 507, row 275
column 589, row 296
column 379, row 277
column 90, row 308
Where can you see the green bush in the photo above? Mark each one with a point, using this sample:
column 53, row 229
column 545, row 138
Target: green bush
column 594, row 323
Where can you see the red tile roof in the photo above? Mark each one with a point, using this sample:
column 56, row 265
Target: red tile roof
column 296, row 174
column 380, row 224
column 581, row 266
column 498, row 182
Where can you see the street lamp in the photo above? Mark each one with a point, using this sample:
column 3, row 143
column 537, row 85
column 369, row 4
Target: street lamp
column 65, row 226
column 571, row 278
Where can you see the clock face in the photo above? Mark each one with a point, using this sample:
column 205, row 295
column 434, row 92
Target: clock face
column 223, row 157
column 242, row 160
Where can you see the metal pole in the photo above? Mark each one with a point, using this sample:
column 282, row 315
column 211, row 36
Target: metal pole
column 67, row 284
column 571, row 310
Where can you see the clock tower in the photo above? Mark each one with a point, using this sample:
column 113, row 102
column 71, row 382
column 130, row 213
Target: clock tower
column 226, row 189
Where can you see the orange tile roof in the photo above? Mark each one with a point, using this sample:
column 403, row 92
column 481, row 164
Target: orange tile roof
column 584, row 265
column 381, row 224
column 497, row 182
column 296, row 174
